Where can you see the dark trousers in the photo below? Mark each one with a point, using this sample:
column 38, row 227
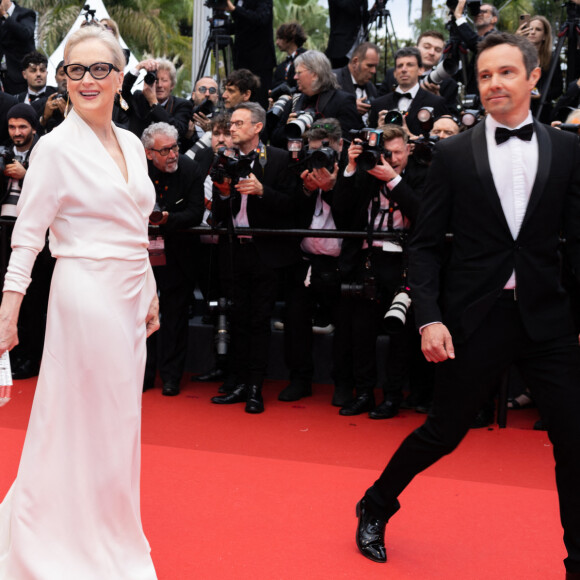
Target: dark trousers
column 167, row 349
column 551, row 369
column 301, row 301
column 253, row 292
column 358, row 324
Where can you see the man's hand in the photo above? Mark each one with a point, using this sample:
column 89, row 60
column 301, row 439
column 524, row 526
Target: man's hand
column 250, row 186
column 362, row 107
column 4, row 6
column 54, row 102
column 201, row 120
column 436, row 343
column 459, row 9
column 383, row 170
column 15, row 170
column 431, row 87
column 320, row 178
column 150, row 94
column 354, row 150
column 230, row 6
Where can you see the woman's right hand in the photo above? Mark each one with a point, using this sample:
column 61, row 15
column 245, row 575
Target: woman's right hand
column 8, row 335
column 9, row 310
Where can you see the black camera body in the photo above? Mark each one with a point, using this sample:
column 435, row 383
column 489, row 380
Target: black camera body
column 372, row 143
column 228, row 163
column 309, row 159
column 6, row 157
column 150, row 77
column 366, row 290
column 473, row 6
column 206, row 107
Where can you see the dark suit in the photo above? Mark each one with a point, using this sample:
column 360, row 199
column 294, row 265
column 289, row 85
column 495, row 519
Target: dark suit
column 46, row 93
column 344, row 79
column 6, row 103
column 489, row 328
column 16, row 40
column 285, row 73
column 251, row 270
column 346, row 18
column 423, row 98
column 181, row 195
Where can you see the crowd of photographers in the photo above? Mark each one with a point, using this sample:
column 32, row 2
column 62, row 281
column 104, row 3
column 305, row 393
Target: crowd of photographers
column 330, row 150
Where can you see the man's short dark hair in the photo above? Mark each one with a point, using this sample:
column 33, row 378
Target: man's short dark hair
column 361, row 50
column 432, row 34
column 325, row 129
column 245, row 80
column 528, row 50
column 221, row 122
column 391, row 132
column 33, row 57
column 409, row 51
column 292, row 32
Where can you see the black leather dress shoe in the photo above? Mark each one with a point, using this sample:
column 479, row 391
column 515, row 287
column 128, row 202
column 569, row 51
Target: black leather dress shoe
column 254, row 401
column 238, row 395
column 170, row 389
column 370, row 534
column 25, row 370
column 362, row 404
column 295, row 392
column 213, row 376
column 386, row 410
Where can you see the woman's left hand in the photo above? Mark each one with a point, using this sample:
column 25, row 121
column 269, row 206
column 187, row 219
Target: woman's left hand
column 152, row 319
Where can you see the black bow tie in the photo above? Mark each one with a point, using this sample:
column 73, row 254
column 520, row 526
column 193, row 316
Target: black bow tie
column 399, row 96
column 361, row 87
column 32, row 98
column 524, row 133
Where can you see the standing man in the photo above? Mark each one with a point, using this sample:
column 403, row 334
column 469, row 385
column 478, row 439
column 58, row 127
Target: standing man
column 507, row 190
column 179, row 198
column 290, row 38
column 16, row 39
column 35, row 71
column 348, row 22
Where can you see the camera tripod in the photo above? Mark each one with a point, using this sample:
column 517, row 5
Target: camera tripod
column 570, row 30
column 218, row 40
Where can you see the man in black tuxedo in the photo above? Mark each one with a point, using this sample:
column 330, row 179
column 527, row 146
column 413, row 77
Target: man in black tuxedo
column 356, row 77
column 251, row 266
column 179, row 203
column 408, row 97
column 16, row 39
column 498, row 299
column 348, row 20
column 35, row 71
column 290, row 38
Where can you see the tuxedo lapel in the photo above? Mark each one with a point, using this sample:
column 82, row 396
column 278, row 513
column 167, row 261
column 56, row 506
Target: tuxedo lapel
column 544, row 164
column 479, row 144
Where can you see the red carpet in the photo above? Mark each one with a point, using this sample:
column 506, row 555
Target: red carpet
column 227, row 495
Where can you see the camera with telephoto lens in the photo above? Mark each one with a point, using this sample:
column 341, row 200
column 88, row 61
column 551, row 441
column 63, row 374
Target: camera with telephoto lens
column 281, row 95
column 206, row 107
column 221, row 307
column 6, row 157
column 570, row 127
column 396, row 315
column 228, row 163
column 372, row 144
column 423, row 145
column 298, row 126
column 322, row 158
column 150, row 77
column 446, row 69
column 473, row 6
column 366, row 290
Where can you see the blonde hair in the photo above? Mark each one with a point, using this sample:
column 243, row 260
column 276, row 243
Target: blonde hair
column 100, row 34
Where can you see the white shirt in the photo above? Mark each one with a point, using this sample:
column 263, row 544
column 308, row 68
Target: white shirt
column 404, row 103
column 322, row 220
column 514, row 165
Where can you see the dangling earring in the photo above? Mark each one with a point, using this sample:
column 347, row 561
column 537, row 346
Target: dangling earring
column 122, row 101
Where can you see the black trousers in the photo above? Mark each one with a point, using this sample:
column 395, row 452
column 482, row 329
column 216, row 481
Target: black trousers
column 252, row 286
column 551, row 369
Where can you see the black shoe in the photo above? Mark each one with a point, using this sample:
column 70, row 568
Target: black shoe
column 295, row 392
column 386, row 410
column 213, row 376
column 25, row 370
column 342, row 397
column 238, row 395
column 170, row 389
column 370, row 534
column 254, row 401
column 362, row 404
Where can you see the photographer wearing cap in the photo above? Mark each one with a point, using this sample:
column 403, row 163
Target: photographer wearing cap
column 253, row 188
column 155, row 103
column 384, row 197
column 179, row 205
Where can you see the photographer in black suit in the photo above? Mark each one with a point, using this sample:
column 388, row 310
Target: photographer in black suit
column 290, row 38
column 408, row 97
column 179, row 205
column 251, row 266
column 383, row 198
column 507, row 190
column 16, row 39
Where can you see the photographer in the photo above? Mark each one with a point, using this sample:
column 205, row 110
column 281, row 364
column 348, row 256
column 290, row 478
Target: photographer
column 383, row 198
column 319, row 95
column 52, row 109
column 290, row 38
column 155, row 103
column 179, row 205
column 22, row 128
column 204, row 97
column 34, row 70
column 264, row 196
column 315, row 280
column 240, row 86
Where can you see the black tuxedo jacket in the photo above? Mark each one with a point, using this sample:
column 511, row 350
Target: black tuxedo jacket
column 49, row 91
column 16, row 40
column 353, row 195
column 460, row 197
column 345, row 81
column 277, row 208
column 283, row 76
column 422, row 99
column 346, row 17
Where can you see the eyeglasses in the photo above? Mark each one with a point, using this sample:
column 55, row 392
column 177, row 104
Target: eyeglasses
column 239, row 124
column 164, row 152
column 98, row 70
column 210, row 90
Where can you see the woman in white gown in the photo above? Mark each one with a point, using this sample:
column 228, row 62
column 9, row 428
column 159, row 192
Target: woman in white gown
column 73, row 511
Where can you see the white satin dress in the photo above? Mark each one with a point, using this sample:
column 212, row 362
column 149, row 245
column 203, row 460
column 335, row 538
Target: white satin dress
column 73, row 512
